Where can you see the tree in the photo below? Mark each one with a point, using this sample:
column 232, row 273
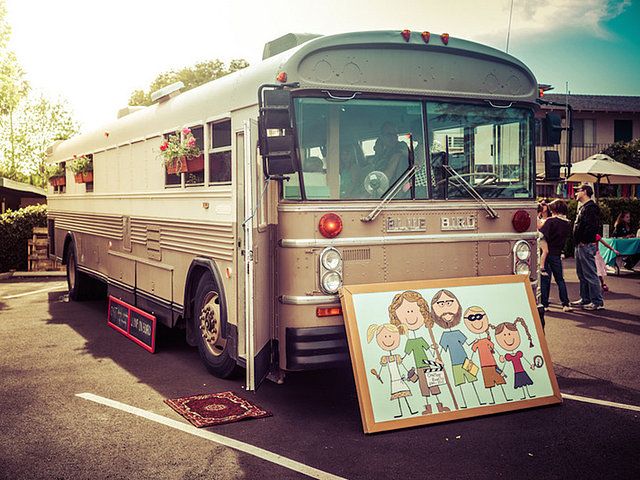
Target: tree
column 35, row 123
column 625, row 152
column 192, row 77
column 13, row 85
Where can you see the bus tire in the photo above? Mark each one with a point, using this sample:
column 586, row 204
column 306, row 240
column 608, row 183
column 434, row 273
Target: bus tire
column 212, row 344
column 77, row 281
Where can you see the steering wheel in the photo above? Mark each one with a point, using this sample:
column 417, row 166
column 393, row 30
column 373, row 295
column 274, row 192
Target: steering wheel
column 376, row 183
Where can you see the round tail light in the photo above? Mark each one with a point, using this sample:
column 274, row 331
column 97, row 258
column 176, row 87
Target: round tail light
column 521, row 221
column 330, row 225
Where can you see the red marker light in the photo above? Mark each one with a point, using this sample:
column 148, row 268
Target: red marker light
column 521, row 221
column 445, row 38
column 406, row 34
column 282, row 77
column 425, row 36
column 328, row 311
column 541, row 92
column 330, row 225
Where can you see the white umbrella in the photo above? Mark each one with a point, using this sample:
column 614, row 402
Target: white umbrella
column 601, row 168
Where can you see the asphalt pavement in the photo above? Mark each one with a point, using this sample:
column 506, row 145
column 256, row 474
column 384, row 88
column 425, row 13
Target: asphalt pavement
column 53, row 350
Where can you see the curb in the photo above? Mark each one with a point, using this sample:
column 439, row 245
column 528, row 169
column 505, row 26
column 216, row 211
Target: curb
column 53, row 273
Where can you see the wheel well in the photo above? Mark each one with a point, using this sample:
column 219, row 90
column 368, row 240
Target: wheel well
column 67, row 243
column 199, row 268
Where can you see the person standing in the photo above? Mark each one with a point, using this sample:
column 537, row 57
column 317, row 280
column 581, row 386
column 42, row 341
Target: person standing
column 585, row 230
column 555, row 231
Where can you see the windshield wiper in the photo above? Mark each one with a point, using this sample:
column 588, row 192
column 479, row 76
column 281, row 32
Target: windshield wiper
column 390, row 194
column 472, row 191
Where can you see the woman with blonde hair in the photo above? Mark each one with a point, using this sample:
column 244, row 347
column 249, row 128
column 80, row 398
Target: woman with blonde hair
column 388, row 339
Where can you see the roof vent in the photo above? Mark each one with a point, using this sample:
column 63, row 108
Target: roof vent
column 286, row 42
column 166, row 93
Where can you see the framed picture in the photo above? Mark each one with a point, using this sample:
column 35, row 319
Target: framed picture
column 431, row 351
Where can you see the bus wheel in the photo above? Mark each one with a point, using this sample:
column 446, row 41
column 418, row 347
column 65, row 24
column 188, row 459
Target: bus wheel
column 212, row 344
column 76, row 281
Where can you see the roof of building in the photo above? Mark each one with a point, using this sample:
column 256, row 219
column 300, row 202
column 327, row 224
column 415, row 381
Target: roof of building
column 597, row 103
column 23, row 189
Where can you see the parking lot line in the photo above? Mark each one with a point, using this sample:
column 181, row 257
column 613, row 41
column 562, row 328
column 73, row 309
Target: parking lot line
column 57, row 287
column 214, row 437
column 600, row 402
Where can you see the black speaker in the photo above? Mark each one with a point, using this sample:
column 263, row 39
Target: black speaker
column 551, row 165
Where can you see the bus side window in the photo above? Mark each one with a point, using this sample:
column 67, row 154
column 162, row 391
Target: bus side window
column 196, row 177
column 220, row 152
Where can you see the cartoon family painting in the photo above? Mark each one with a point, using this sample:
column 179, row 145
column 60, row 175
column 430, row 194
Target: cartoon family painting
column 447, row 386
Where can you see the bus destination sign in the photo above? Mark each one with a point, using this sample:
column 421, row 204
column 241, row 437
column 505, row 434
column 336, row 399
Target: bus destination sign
column 133, row 323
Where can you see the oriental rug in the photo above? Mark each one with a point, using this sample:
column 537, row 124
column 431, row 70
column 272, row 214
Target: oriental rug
column 215, row 408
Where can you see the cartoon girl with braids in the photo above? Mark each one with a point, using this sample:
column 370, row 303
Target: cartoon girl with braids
column 388, row 339
column 477, row 321
column 508, row 338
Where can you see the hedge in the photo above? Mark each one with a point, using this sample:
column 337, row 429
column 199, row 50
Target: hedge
column 16, row 229
column 609, row 210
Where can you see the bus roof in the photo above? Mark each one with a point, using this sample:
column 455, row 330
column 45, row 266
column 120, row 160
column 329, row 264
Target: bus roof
column 374, row 61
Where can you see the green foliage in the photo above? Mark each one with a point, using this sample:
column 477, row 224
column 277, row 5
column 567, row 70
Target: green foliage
column 192, row 77
column 609, row 210
column 16, row 229
column 625, row 152
column 82, row 164
column 56, row 170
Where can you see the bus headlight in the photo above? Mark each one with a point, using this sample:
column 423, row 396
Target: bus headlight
column 331, row 282
column 522, row 268
column 522, row 258
column 330, row 270
column 331, row 259
column 522, row 250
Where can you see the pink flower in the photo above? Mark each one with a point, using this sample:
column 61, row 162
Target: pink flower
column 186, row 131
column 163, row 147
column 191, row 142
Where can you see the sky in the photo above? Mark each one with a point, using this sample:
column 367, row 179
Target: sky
column 93, row 55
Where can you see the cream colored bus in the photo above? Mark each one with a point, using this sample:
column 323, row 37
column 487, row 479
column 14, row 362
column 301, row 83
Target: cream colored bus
column 346, row 159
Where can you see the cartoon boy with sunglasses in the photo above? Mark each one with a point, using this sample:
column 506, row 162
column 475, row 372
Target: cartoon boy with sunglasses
column 476, row 320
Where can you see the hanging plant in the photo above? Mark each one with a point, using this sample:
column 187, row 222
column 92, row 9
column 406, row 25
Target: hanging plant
column 181, row 154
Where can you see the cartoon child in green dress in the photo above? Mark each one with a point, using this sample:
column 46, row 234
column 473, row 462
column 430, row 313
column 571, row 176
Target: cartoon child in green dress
column 411, row 310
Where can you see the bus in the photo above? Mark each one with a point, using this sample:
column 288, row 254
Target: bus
column 364, row 157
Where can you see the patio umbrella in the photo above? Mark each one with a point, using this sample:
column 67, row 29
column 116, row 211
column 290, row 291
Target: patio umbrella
column 601, row 168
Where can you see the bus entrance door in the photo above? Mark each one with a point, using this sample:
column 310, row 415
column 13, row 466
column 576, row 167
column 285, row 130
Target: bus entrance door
column 258, row 271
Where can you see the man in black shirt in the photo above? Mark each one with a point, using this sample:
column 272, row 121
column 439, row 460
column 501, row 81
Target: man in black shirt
column 555, row 231
column 584, row 237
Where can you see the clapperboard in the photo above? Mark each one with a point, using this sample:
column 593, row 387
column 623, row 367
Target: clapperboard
column 434, row 373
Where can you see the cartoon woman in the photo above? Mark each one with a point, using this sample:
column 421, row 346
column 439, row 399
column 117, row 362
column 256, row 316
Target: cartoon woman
column 476, row 320
column 508, row 338
column 388, row 338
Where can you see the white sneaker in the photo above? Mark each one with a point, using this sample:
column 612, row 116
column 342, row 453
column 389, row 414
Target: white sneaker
column 567, row 308
column 577, row 303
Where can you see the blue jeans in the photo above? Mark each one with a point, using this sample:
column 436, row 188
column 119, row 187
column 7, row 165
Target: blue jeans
column 553, row 265
column 588, row 274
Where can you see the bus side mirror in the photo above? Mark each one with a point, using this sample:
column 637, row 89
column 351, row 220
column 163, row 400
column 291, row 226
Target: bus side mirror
column 277, row 138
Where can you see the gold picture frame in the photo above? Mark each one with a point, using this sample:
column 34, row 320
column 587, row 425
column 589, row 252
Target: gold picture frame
column 431, row 351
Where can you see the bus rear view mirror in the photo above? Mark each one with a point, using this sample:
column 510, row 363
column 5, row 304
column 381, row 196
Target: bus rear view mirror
column 552, row 129
column 277, row 109
column 280, row 159
column 276, row 131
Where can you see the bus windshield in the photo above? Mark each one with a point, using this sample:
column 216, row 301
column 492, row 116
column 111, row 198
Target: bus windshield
column 358, row 149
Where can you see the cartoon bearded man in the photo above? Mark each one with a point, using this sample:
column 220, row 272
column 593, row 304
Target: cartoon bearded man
column 447, row 313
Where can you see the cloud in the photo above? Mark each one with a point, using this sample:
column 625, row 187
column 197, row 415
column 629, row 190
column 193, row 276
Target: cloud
column 533, row 17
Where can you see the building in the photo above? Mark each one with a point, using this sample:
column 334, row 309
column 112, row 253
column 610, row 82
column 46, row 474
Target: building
column 598, row 121
column 16, row 195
